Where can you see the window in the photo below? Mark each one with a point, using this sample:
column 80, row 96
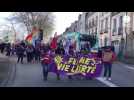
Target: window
column 101, row 25
column 95, row 30
column 106, row 25
column 121, row 21
column 120, row 29
column 93, row 22
column 96, row 20
column 114, row 26
column 105, row 41
column 89, row 24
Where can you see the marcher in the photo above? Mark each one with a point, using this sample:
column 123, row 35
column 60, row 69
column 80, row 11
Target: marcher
column 29, row 52
column 71, row 53
column 108, row 57
column 13, row 50
column 53, row 44
column 2, row 46
column 37, row 54
column 20, row 53
column 8, row 49
column 45, row 61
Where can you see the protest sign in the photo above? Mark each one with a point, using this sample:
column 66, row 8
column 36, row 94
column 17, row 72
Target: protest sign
column 85, row 65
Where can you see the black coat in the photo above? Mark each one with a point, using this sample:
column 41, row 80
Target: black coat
column 20, row 50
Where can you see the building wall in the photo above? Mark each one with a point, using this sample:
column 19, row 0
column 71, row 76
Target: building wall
column 83, row 23
column 86, row 23
column 130, row 40
column 93, row 23
column 116, row 37
column 104, row 27
column 109, row 37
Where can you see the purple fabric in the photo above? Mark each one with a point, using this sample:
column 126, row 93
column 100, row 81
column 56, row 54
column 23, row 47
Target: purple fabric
column 98, row 63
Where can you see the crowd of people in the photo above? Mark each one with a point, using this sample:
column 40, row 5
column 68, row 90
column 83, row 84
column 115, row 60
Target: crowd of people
column 41, row 53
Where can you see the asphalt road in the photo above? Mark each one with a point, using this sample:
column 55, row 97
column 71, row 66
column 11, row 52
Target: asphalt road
column 30, row 75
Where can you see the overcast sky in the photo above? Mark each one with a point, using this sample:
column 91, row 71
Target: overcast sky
column 63, row 20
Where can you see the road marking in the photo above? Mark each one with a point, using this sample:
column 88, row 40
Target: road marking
column 128, row 67
column 110, row 84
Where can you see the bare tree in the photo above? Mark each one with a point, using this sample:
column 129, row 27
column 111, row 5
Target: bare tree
column 42, row 20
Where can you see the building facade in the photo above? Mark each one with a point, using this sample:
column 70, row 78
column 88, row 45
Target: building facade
column 130, row 37
column 104, row 32
column 109, row 27
column 118, row 32
column 82, row 23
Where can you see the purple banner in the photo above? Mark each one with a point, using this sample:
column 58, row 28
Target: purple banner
column 86, row 65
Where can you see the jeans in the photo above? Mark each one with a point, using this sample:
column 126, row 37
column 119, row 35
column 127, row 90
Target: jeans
column 107, row 69
column 45, row 70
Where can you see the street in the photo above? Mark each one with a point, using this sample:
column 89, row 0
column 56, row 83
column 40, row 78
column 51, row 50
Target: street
column 30, row 75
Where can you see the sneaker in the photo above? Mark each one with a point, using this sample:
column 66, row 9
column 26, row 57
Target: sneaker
column 109, row 79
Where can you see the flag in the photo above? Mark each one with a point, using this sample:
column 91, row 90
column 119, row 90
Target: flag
column 29, row 38
column 54, row 41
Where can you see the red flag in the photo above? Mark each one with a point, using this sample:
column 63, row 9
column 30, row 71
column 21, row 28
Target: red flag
column 53, row 44
column 29, row 36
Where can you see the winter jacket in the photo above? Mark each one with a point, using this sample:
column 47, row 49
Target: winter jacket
column 45, row 59
column 20, row 50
